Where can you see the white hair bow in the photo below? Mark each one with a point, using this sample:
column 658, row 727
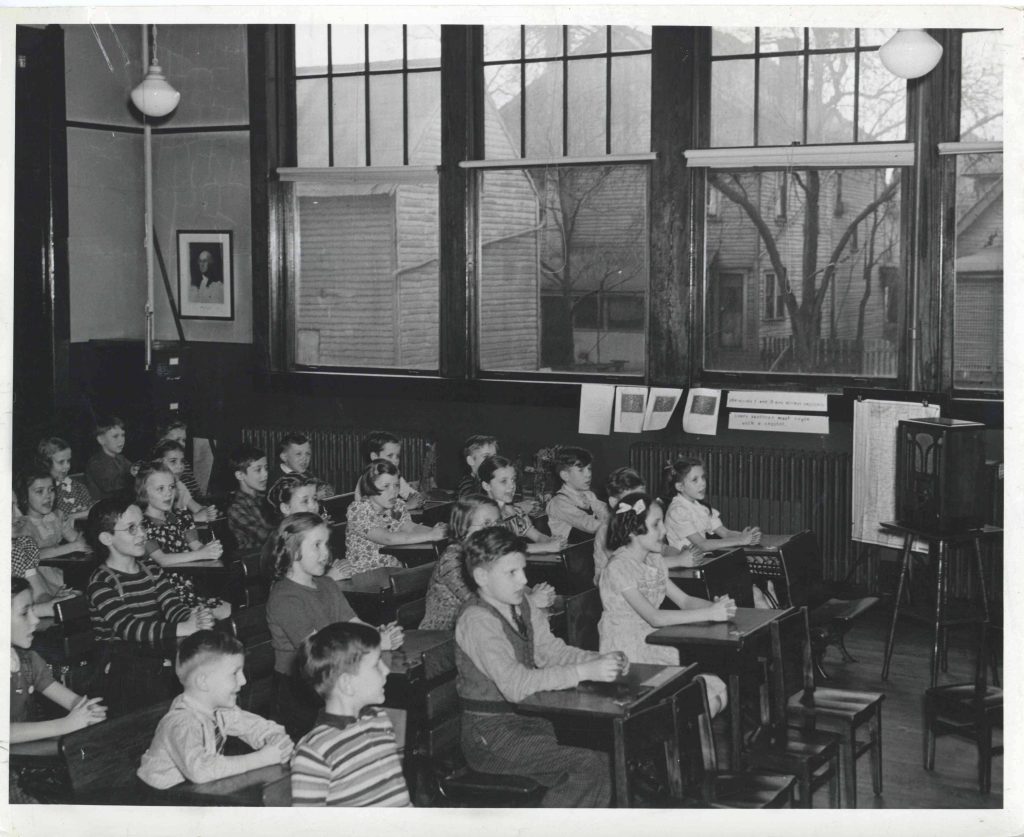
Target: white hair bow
column 639, row 507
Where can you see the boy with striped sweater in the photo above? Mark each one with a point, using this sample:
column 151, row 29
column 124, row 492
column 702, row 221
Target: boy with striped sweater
column 137, row 615
column 350, row 757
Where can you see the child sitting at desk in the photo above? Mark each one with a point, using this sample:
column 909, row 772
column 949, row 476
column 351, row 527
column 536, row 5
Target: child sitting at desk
column 52, row 530
column 475, row 450
column 635, row 583
column 689, row 518
column 25, row 564
column 73, row 497
column 108, row 471
column 31, row 676
column 137, row 615
column 574, row 505
column 351, row 756
column 172, row 454
column 303, row 601
column 447, row 589
column 188, row 745
column 498, row 478
column 294, row 455
column 380, row 519
column 247, row 512
column 383, row 445
column 503, row 656
column 175, row 430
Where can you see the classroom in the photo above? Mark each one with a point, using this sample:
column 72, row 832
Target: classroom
column 475, row 413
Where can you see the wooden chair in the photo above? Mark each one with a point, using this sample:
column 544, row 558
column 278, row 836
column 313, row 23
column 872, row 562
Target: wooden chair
column 582, row 615
column 249, row 626
column 434, row 764
column 337, row 506
column 704, row 784
column 102, row 759
column 255, row 581
column 846, row 713
column 967, row 710
column 76, row 637
column 405, row 602
column 652, row 745
column 812, row 756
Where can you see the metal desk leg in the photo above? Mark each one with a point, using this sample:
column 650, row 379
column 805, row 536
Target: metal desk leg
column 908, row 542
column 982, row 583
column 940, row 609
column 621, row 780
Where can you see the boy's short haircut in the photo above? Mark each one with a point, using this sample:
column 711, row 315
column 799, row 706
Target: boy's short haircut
column 333, row 651
column 243, row 456
column 105, row 423
column 486, row 546
column 374, row 443
column 474, row 443
column 165, row 446
column 201, row 647
column 35, row 470
column 147, row 470
column 367, row 480
column 50, row 447
column 103, row 517
column 289, row 439
column 569, row 457
column 486, row 470
column 19, row 585
column 168, row 425
column 622, row 480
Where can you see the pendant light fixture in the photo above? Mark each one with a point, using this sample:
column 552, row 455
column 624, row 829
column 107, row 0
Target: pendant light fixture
column 154, row 97
column 910, row 53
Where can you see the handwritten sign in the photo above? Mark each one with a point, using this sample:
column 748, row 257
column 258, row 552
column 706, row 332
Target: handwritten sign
column 778, row 422
column 816, row 402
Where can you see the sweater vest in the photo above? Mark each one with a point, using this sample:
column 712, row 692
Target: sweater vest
column 477, row 692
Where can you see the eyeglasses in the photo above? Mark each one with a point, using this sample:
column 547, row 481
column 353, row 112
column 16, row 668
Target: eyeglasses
column 133, row 529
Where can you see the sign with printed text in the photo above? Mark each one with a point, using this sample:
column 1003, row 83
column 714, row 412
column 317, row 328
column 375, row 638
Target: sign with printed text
column 778, row 422
column 816, row 402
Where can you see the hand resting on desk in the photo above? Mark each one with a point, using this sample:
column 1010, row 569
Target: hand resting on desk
column 605, row 668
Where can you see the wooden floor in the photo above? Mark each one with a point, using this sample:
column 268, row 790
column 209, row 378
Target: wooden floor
column 906, row 784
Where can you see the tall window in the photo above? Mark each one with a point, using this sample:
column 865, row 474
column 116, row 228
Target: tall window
column 978, row 311
column 817, row 232
column 364, row 219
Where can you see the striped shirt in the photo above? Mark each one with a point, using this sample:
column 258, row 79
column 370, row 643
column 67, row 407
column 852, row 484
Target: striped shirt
column 140, row 607
column 349, row 761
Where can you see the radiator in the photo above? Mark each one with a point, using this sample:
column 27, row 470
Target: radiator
column 337, row 457
column 782, row 491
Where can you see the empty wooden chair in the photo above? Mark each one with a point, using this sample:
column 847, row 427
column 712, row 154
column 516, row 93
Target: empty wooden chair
column 249, row 625
column 704, row 784
column 968, row 710
column 653, row 778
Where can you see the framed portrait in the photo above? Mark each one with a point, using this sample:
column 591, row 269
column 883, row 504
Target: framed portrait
column 206, row 276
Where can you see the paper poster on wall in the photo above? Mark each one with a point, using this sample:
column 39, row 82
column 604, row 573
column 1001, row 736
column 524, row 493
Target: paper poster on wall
column 630, row 406
column 816, row 402
column 596, row 404
column 778, row 422
column 661, row 403
column 701, row 412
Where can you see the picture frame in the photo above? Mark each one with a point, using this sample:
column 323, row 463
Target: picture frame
column 206, row 276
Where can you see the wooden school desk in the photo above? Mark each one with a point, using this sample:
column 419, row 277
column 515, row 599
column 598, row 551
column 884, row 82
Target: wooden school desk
column 938, row 548
column 76, row 566
column 722, row 648
column 613, row 703
column 414, row 554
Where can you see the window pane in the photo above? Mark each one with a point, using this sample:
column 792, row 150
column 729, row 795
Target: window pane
column 551, row 239
column 830, row 96
column 883, row 102
column 732, row 41
column 423, row 45
column 630, row 37
column 349, row 121
column 978, row 313
column 502, row 43
column 747, row 241
column 781, row 39
column 310, row 50
column 367, row 286
column 981, row 104
column 385, row 47
column 348, row 49
column 875, row 37
column 386, row 120
column 544, row 103
column 780, row 102
column 732, row 103
column 631, row 104
column 543, row 41
column 587, row 40
column 501, row 112
column 587, row 106
column 311, row 126
column 424, row 119
column 821, row 38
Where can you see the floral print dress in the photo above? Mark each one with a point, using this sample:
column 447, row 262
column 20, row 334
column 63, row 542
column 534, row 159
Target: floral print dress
column 621, row 628
column 171, row 536
column 363, row 516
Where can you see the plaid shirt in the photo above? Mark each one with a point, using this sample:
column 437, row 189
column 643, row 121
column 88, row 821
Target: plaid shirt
column 247, row 521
